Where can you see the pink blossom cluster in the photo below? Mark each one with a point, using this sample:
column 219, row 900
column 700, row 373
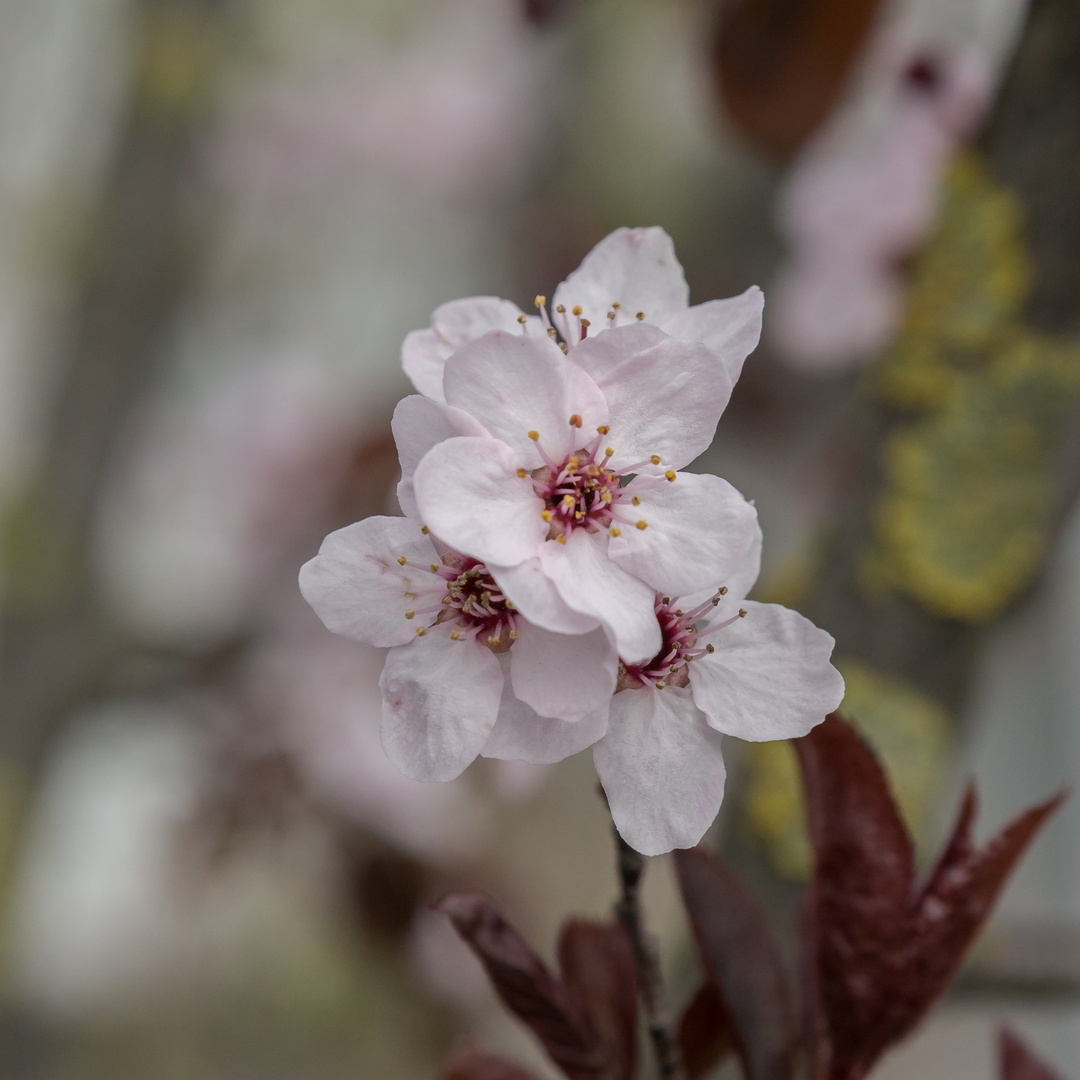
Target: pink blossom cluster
column 558, row 580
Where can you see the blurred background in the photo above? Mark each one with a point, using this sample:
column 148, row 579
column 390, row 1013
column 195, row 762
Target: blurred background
column 218, row 220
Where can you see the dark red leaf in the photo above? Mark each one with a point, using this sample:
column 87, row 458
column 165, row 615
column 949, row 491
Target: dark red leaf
column 738, row 952
column 546, row 12
column 1019, row 1063
column 878, row 953
column 706, row 1036
column 782, row 64
column 470, row 1064
column 597, row 965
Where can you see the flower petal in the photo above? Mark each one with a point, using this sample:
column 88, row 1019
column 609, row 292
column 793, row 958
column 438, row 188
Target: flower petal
column 662, row 769
column 528, row 588
column 515, row 384
column 419, row 424
column 440, row 702
column 520, row 734
column 731, row 328
column 770, row 676
column 563, row 675
column 635, row 268
column 591, row 583
column 698, row 531
column 358, row 588
column 425, row 352
column 738, row 582
column 664, row 395
column 470, row 496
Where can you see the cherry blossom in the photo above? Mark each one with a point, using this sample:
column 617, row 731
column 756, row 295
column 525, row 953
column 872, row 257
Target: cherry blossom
column 562, row 475
column 631, row 276
column 727, row 666
column 448, row 687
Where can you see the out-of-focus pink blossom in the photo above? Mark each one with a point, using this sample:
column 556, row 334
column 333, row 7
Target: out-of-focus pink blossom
column 456, row 111
column 863, row 197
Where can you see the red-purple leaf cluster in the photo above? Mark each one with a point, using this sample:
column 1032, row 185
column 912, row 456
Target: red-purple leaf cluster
column 880, row 950
column 586, row 1019
column 781, row 64
column 1019, row 1063
column 470, row 1064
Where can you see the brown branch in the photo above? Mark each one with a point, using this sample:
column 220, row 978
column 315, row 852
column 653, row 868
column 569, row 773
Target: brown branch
column 631, row 865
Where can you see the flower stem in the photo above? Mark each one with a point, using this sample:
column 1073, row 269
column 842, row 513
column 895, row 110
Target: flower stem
column 631, row 866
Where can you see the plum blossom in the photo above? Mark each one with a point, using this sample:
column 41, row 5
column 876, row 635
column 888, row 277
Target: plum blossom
column 727, row 666
column 863, row 197
column 570, row 489
column 449, row 687
column 631, row 276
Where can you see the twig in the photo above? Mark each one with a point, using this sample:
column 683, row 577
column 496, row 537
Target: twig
column 647, row 956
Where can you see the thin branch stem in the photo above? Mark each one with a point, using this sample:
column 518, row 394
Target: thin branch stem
column 631, row 866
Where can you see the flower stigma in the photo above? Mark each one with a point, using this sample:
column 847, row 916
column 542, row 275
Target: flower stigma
column 680, row 631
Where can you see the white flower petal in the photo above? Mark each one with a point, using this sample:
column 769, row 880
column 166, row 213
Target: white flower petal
column 664, row 395
column 358, row 588
column 636, row 268
column 440, row 702
column 731, row 328
column 698, row 532
column 662, row 769
column 419, row 424
column 423, row 356
column 515, row 384
column 591, row 583
column 470, row 496
column 425, row 352
column 520, row 734
column 528, row 588
column 738, row 582
column 563, row 675
column 770, row 676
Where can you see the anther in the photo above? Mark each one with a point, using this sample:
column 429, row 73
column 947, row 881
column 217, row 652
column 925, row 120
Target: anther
column 575, row 420
column 710, row 647
column 667, row 600
column 534, row 435
column 546, row 515
column 576, row 309
column 603, row 429
column 660, row 684
column 402, row 560
column 565, row 348
column 673, row 667
column 493, row 640
column 522, row 473
column 551, row 331
column 568, row 499
column 639, row 316
column 616, row 304
column 655, row 459
column 513, row 635
column 615, row 531
column 561, row 539
column 420, row 631
column 608, row 451
column 642, row 524
column 424, row 529
column 434, row 567
column 636, row 501
column 540, row 301
column 560, row 309
column 679, row 611
column 455, row 636
column 722, row 590
column 670, row 474
column 611, row 314
column 742, row 613
column 409, row 613
column 523, row 319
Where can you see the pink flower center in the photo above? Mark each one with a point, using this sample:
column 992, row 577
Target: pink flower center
column 585, row 492
column 680, row 630
column 473, row 607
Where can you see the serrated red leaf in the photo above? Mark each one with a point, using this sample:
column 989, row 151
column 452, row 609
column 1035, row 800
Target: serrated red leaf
column 596, row 961
column 587, row 1020
column 878, row 952
column 781, row 65
column 738, row 952
column 1019, row 1063
column 706, row 1036
column 470, row 1064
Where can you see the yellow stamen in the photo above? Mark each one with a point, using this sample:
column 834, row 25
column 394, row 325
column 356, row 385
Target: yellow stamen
column 540, row 301
column 642, row 524
column 523, row 319
column 568, row 500
column 722, row 590
column 742, row 613
column 615, row 531
column 670, row 474
column 608, row 451
column 551, row 331
column 640, row 315
column 560, row 309
column 603, row 429
column 576, row 309
column 616, row 305
column 434, row 567
column 660, row 684
column 546, row 515
column 424, row 529
column 522, row 473
column 534, row 435
column 402, row 560
column 513, row 635
column 575, row 420
column 409, row 613
column 636, row 501
column 655, row 459
column 611, row 314
column 710, row 648
column 561, row 539
column 420, row 631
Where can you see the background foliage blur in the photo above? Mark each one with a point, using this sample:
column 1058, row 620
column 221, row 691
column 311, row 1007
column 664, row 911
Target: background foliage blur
column 219, row 218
